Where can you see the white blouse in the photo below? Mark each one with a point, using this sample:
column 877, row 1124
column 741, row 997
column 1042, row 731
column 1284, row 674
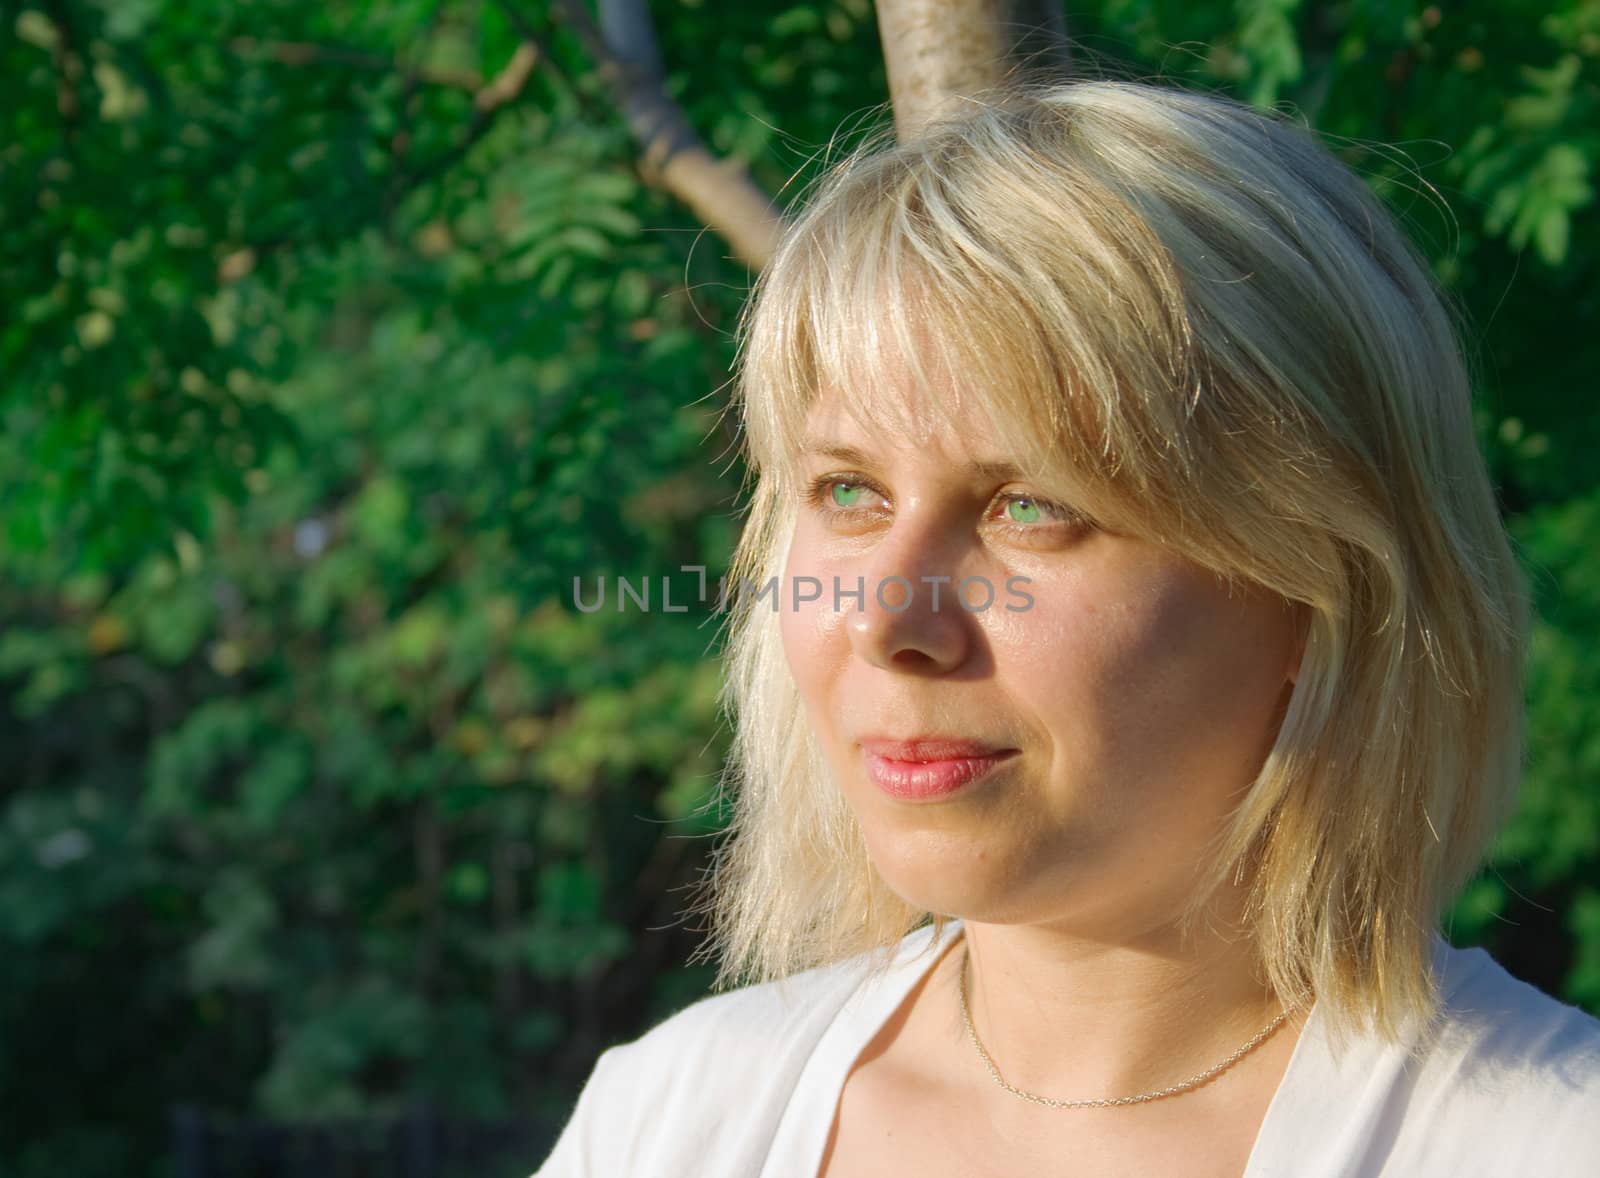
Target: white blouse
column 745, row 1084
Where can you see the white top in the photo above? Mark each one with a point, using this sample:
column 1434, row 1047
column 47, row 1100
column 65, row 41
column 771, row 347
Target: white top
column 745, row 1084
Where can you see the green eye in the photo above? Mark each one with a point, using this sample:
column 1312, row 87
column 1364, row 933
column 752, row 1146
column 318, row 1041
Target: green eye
column 1022, row 511
column 845, row 494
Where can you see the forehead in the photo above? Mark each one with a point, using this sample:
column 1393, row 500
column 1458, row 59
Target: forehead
column 959, row 431
column 903, row 384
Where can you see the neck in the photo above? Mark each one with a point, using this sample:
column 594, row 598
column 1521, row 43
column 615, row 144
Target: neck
column 1073, row 1016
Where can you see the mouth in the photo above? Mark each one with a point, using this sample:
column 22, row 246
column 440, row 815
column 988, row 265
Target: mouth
column 929, row 767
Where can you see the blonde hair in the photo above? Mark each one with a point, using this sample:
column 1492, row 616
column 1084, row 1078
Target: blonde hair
column 1216, row 333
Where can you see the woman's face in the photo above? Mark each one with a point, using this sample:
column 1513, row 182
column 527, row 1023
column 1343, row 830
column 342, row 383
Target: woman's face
column 1103, row 712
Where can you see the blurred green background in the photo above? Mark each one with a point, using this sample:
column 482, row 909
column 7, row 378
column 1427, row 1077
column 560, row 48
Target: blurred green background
column 337, row 338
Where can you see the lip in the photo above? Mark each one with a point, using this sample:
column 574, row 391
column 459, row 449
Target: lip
column 928, row 767
column 928, row 748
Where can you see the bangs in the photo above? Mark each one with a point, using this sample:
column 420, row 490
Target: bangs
column 924, row 289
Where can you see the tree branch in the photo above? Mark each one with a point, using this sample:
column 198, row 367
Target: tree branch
column 673, row 156
column 508, row 83
column 940, row 51
column 304, row 53
column 489, row 100
column 69, row 67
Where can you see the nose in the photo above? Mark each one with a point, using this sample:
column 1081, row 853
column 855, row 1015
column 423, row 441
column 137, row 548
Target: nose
column 908, row 616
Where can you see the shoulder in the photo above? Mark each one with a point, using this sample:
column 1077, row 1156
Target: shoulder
column 1503, row 1080
column 1501, row 1035
column 1482, row 994
column 1511, row 1077
column 665, row 1102
column 733, row 1032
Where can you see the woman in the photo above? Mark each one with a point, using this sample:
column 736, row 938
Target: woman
column 1126, row 594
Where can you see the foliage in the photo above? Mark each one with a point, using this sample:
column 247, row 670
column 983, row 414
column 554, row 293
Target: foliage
column 323, row 381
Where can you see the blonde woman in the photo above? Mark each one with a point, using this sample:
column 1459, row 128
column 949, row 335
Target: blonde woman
column 1127, row 676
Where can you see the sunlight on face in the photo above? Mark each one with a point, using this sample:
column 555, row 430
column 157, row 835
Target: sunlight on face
column 1103, row 712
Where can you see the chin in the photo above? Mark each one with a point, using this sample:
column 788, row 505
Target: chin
column 942, row 873
column 1020, row 884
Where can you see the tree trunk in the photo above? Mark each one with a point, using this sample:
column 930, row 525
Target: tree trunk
column 941, row 51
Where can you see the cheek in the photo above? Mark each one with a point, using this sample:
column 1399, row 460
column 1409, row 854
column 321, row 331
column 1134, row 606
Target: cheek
column 1068, row 662
column 1148, row 677
column 795, row 626
column 810, row 630
column 802, row 647
column 1198, row 678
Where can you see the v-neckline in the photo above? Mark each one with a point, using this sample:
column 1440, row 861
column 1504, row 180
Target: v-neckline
column 807, row 1121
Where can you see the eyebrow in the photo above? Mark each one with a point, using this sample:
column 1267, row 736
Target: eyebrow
column 988, row 469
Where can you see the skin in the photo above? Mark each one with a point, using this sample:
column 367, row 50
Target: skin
column 1141, row 694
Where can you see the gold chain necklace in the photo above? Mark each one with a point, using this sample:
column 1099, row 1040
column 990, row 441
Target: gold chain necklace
column 1105, row 1102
